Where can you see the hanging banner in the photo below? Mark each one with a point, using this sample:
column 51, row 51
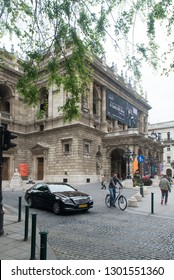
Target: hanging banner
column 119, row 109
column 135, row 165
column 115, row 107
column 23, row 169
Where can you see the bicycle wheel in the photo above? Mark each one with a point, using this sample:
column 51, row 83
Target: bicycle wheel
column 107, row 200
column 122, row 202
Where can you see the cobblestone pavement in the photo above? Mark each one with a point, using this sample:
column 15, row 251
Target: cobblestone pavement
column 103, row 233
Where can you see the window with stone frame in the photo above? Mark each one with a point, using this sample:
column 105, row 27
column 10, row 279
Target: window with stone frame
column 168, row 159
column 86, row 147
column 43, row 104
column 168, row 148
column 67, row 146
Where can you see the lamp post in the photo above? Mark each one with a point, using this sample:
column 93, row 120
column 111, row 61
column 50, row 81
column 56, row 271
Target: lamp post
column 141, row 161
column 129, row 156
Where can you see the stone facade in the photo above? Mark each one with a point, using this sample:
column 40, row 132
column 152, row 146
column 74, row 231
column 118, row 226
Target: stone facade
column 164, row 131
column 80, row 151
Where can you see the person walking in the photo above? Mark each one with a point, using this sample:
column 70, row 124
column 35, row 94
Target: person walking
column 103, row 182
column 112, row 189
column 165, row 188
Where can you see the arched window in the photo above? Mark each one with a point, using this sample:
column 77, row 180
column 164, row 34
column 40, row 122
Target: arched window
column 6, row 106
column 168, row 136
column 43, row 109
column 95, row 102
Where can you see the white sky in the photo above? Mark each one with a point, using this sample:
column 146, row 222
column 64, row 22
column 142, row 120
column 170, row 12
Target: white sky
column 160, row 95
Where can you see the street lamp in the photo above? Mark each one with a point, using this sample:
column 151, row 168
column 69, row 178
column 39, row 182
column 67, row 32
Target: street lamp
column 129, row 156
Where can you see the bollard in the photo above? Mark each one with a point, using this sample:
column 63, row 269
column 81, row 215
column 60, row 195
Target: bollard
column 141, row 189
column 152, row 203
column 33, row 237
column 26, row 222
column 43, row 245
column 19, row 208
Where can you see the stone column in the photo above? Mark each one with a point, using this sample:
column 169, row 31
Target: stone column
column 91, row 104
column 103, row 110
column 141, row 124
column 50, row 103
column 145, row 125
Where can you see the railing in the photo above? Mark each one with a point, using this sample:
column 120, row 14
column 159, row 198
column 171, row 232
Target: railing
column 5, row 115
column 168, row 139
column 122, row 132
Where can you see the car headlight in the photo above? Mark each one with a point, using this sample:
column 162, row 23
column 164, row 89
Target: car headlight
column 66, row 200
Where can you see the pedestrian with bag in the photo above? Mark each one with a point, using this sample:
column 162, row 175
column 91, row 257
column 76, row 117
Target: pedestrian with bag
column 165, row 188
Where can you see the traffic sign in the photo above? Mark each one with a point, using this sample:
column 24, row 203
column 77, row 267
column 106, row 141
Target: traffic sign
column 140, row 158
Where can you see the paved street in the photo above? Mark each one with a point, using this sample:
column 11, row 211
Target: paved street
column 104, row 233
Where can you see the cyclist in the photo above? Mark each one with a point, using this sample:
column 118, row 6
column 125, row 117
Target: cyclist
column 112, row 188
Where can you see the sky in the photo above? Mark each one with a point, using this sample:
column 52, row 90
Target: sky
column 160, row 96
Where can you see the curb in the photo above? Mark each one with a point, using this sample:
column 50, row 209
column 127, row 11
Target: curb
column 50, row 252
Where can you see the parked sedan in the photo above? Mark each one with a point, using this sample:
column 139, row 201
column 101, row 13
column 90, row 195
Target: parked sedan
column 58, row 197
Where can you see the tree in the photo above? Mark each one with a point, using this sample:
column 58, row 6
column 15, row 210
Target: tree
column 56, row 29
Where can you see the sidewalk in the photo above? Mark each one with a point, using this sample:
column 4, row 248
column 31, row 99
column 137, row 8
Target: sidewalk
column 145, row 206
column 12, row 244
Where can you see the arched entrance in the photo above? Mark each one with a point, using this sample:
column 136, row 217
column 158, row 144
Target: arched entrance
column 118, row 163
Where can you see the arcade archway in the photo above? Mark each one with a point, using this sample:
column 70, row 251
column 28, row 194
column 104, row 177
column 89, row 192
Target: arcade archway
column 118, row 163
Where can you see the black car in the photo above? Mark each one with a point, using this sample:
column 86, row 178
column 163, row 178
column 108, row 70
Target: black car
column 58, row 197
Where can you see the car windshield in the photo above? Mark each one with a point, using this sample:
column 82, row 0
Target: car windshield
column 60, row 188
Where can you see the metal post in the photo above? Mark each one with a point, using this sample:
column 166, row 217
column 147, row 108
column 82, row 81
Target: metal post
column 141, row 181
column 26, row 222
column 128, row 167
column 19, row 208
column 33, row 237
column 43, row 245
column 152, row 203
column 1, row 165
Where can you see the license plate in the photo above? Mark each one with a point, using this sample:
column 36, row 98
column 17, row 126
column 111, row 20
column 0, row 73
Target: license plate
column 83, row 205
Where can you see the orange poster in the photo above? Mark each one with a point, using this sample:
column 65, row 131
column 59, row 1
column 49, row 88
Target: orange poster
column 23, row 169
column 135, row 165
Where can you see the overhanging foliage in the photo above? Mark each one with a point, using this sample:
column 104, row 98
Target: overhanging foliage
column 80, row 28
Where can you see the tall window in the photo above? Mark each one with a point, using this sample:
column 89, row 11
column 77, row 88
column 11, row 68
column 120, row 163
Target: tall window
column 86, row 147
column 67, row 146
column 168, row 136
column 43, row 110
column 94, row 102
column 168, row 159
column 168, row 148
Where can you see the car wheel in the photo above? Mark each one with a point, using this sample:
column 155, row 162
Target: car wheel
column 57, row 209
column 30, row 202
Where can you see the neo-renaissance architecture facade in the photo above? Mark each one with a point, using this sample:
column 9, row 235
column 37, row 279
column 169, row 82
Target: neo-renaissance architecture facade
column 164, row 131
column 111, row 132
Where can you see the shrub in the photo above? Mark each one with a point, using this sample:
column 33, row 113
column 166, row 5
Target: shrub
column 145, row 179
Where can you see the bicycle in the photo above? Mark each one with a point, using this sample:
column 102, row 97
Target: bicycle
column 121, row 199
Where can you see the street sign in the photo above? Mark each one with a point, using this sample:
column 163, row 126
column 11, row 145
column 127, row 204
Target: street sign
column 140, row 158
